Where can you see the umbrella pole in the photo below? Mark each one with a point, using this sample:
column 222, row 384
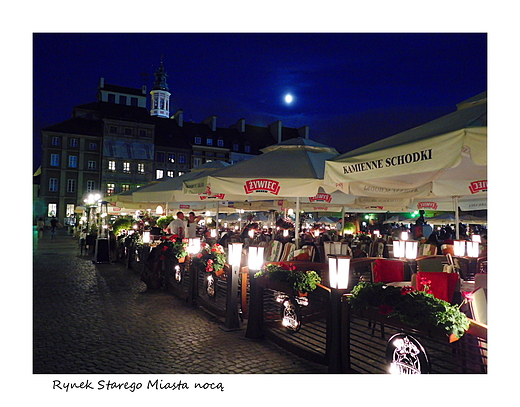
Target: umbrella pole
column 457, row 220
column 217, row 225
column 297, row 224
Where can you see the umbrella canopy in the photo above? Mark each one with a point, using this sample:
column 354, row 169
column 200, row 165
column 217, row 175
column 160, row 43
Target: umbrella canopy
column 445, row 157
column 293, row 168
column 171, row 189
column 398, row 219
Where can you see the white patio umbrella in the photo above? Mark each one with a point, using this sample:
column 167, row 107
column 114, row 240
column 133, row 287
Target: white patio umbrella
column 446, row 157
column 293, row 168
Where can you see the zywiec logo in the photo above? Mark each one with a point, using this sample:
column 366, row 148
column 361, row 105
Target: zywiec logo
column 427, row 205
column 321, row 197
column 216, row 196
column 183, row 206
column 478, row 186
column 262, row 185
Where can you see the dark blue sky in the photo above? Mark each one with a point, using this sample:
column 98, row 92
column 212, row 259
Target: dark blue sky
column 351, row 89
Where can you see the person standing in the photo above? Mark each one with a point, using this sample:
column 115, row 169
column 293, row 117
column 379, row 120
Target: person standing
column 40, row 224
column 191, row 227
column 54, row 226
column 178, row 226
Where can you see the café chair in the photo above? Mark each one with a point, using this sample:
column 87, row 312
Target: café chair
column 448, row 249
column 310, row 251
column 431, row 263
column 442, row 285
column 387, row 271
column 288, row 251
column 481, row 282
column 427, row 249
column 274, row 251
column 377, row 249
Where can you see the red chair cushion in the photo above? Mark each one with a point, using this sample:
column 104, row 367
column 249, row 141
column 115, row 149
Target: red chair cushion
column 442, row 285
column 387, row 271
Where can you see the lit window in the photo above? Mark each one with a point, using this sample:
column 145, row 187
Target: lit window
column 111, row 165
column 111, row 189
column 73, row 161
column 171, row 158
column 53, row 184
column 126, row 167
column 197, row 162
column 170, row 173
column 55, row 160
column 140, row 168
column 181, row 173
column 220, row 143
column 52, row 209
column 92, row 165
column 73, row 142
column 71, row 185
column 125, row 187
column 55, row 141
column 159, row 174
column 209, row 141
column 235, row 146
column 70, row 210
column 91, row 185
column 198, row 140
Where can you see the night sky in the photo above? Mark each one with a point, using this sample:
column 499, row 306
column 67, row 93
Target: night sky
column 351, row 89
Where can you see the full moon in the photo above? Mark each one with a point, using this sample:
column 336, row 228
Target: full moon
column 288, row 98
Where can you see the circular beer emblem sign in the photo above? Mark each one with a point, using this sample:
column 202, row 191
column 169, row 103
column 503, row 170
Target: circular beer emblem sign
column 406, row 355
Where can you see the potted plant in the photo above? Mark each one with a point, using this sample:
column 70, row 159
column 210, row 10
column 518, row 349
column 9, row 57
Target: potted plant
column 211, row 259
column 410, row 307
column 300, row 281
column 173, row 247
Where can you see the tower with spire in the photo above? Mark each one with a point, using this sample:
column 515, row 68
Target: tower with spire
column 160, row 106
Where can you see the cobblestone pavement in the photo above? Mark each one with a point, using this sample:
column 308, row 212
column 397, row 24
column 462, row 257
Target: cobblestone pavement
column 100, row 318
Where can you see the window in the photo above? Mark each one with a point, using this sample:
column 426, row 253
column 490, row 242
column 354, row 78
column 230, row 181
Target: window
column 70, row 210
column 140, row 168
column 235, row 146
column 55, row 160
column 182, row 158
column 197, row 162
column 73, row 161
column 92, row 146
column 133, row 101
column 111, row 189
column 128, row 131
column 209, row 153
column 55, row 141
column 170, row 173
column 52, row 209
column 111, row 165
column 91, row 185
column 171, row 158
column 142, row 133
column 92, row 165
column 126, row 167
column 160, row 156
column 53, row 184
column 71, row 185
column 73, row 142
column 220, row 143
column 247, row 149
column 125, row 187
column 113, row 129
column 159, row 174
column 209, row 141
column 198, row 140
column 111, row 98
column 122, row 100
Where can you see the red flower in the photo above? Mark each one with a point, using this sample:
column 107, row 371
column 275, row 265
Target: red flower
column 468, row 295
column 406, row 290
column 425, row 281
column 287, row 266
column 162, row 257
column 164, row 248
column 385, row 309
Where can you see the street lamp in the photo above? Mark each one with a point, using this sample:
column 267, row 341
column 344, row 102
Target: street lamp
column 234, row 259
column 255, row 258
column 338, row 271
column 193, row 245
column 254, row 329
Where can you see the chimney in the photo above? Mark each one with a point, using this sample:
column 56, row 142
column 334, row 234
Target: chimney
column 143, row 89
column 211, row 122
column 276, row 130
column 303, row 132
column 179, row 117
column 101, row 83
column 240, row 125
